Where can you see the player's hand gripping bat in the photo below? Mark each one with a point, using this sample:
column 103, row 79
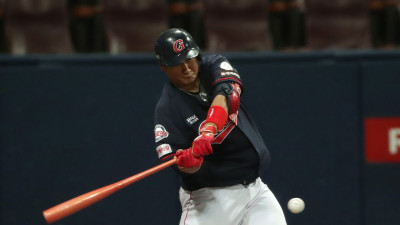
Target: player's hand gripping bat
column 78, row 203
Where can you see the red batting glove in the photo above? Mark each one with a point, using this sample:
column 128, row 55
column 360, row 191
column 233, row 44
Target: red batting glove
column 186, row 159
column 202, row 144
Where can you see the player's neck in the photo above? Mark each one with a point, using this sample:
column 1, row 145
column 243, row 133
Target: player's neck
column 192, row 88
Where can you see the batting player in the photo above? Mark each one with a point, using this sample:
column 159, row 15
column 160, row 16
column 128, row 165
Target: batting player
column 200, row 120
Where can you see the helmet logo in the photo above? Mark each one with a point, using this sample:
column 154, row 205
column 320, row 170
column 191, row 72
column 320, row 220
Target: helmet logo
column 178, row 45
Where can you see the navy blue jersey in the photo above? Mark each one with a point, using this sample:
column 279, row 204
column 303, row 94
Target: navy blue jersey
column 239, row 150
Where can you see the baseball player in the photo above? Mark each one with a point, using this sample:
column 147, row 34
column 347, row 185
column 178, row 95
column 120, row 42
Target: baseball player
column 200, row 120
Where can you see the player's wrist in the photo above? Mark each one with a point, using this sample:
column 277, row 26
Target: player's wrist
column 209, row 128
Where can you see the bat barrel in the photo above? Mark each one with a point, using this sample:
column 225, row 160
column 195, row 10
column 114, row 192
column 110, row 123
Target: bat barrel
column 78, row 203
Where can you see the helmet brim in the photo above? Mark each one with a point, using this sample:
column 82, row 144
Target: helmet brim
column 176, row 60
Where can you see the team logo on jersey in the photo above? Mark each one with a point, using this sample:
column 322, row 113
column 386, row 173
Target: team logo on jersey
column 228, row 70
column 163, row 150
column 226, row 66
column 160, row 132
column 179, row 45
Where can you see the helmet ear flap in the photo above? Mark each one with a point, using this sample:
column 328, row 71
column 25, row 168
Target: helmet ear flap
column 175, row 46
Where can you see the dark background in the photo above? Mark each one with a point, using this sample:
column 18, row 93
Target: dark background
column 71, row 124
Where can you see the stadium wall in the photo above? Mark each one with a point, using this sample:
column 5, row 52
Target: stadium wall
column 74, row 123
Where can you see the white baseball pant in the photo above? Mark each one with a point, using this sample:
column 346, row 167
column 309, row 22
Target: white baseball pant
column 254, row 204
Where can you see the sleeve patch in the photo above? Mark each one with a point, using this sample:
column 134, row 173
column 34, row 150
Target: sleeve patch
column 163, row 150
column 160, row 132
column 231, row 73
column 228, row 71
column 226, row 66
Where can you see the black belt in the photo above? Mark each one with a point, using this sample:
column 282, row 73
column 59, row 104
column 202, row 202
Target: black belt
column 248, row 181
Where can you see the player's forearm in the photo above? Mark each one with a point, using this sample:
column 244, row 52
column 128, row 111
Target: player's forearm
column 219, row 100
column 216, row 119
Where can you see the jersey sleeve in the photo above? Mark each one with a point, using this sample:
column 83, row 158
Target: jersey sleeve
column 222, row 71
column 168, row 136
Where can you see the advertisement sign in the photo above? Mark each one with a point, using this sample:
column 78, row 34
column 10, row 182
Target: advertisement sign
column 382, row 140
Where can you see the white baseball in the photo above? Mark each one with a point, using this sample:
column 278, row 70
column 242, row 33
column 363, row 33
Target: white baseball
column 296, row 205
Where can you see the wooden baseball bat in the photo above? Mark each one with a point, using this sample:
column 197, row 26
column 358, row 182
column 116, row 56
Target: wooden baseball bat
column 78, row 203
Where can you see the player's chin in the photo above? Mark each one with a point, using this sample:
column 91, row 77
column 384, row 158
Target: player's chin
column 189, row 79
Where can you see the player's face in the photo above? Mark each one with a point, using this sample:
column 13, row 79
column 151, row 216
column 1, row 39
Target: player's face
column 184, row 75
